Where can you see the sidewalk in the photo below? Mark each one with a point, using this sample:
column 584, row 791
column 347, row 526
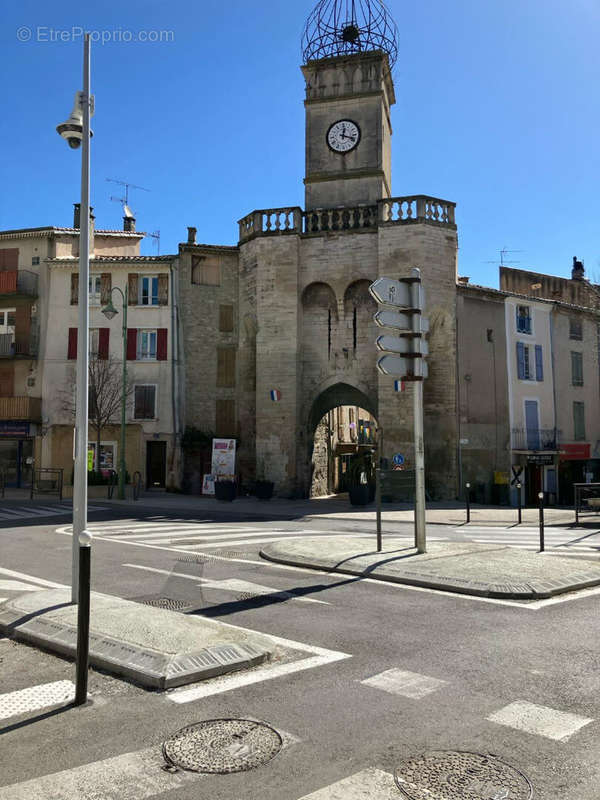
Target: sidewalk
column 484, row 570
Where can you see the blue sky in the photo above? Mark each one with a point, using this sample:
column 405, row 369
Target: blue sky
column 497, row 109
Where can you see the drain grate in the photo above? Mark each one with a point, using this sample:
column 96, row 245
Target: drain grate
column 159, row 601
column 222, row 746
column 453, row 775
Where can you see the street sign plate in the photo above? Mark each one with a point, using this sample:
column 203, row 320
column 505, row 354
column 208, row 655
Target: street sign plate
column 398, row 459
column 398, row 344
column 391, row 319
column 391, row 292
column 400, row 367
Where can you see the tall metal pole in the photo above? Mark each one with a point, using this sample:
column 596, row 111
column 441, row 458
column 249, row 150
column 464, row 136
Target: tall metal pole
column 81, row 535
column 420, row 536
column 124, row 397
column 378, row 486
column 81, row 422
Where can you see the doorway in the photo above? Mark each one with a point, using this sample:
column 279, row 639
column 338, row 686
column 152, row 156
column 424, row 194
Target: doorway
column 156, row 465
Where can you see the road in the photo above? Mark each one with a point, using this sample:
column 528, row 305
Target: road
column 383, row 672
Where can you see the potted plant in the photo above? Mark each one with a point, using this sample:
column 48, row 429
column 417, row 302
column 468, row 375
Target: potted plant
column 360, row 480
column 263, row 489
column 225, row 490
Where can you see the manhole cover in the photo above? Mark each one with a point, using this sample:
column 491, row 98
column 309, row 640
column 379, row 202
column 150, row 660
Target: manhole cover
column 222, row 745
column 169, row 603
column 461, row 776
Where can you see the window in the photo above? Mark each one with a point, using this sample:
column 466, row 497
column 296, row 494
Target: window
column 94, row 342
column 523, row 319
column 148, row 290
column 225, row 319
column 146, row 345
column 225, row 417
column 35, row 261
column 225, row 367
column 206, row 270
column 107, row 454
column 144, row 402
column 527, row 368
column 95, row 288
column 7, row 320
column 577, row 369
column 578, row 421
column 575, row 329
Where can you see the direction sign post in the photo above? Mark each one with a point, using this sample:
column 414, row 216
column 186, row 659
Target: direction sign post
column 402, row 304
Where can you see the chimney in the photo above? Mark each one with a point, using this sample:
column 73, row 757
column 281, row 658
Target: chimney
column 76, row 215
column 192, row 235
column 129, row 224
column 463, row 280
column 578, row 271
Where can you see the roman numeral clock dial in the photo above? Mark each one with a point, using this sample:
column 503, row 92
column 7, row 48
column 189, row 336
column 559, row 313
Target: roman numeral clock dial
column 343, row 136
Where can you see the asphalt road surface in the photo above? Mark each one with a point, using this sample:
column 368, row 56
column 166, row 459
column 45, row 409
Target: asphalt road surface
column 384, row 672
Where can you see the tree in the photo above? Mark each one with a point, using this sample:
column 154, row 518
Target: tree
column 105, row 383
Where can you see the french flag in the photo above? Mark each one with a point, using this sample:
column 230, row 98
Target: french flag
column 399, row 386
column 275, row 395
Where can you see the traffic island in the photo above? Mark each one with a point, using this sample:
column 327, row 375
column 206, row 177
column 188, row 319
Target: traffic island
column 155, row 647
column 483, row 570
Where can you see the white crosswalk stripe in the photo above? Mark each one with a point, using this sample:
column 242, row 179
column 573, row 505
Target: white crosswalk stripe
column 372, row 783
column 30, row 512
column 528, row 538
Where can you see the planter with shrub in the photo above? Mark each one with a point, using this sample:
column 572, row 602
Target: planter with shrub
column 225, row 490
column 264, row 489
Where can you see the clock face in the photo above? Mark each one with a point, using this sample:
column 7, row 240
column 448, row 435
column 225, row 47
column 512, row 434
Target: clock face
column 343, row 136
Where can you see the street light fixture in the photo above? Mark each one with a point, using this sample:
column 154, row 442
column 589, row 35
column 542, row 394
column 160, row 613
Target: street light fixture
column 76, row 132
column 110, row 312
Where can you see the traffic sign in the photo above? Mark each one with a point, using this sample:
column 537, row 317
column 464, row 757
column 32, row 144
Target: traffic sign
column 391, row 319
column 405, row 368
column 398, row 459
column 392, row 293
column 397, row 344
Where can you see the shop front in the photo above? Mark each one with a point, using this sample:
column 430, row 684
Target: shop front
column 576, row 466
column 16, row 453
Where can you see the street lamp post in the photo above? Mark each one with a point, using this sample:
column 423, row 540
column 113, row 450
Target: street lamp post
column 110, row 312
column 76, row 131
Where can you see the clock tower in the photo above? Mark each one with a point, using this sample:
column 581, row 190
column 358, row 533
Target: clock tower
column 349, row 49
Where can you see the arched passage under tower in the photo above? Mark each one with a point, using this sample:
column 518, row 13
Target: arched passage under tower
column 341, row 428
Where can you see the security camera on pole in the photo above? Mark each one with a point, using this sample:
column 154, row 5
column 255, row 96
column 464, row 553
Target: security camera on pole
column 402, row 303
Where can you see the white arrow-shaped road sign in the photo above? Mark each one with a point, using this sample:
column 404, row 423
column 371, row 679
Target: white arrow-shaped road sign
column 391, row 319
column 391, row 292
column 399, row 344
column 401, row 367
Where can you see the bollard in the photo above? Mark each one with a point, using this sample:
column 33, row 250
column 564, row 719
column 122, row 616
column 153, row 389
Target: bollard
column 519, row 501
column 468, row 500
column 541, row 499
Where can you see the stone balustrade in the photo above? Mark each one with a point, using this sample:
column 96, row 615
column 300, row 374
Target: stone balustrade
column 390, row 211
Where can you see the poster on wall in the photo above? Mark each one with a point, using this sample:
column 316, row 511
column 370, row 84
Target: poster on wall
column 208, row 484
column 223, row 459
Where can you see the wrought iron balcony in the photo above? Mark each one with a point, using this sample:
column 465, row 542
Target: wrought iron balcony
column 12, row 346
column 18, row 283
column 535, row 439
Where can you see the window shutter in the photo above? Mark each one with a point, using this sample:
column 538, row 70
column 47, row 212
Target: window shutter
column 225, row 417
column 132, row 282
column 225, row 319
column 521, row 360
column 105, row 288
column 103, row 340
column 539, row 363
column 163, row 290
column 131, row 344
column 74, row 288
column 7, row 381
column 161, row 344
column 225, row 367
column 9, row 258
column 72, row 348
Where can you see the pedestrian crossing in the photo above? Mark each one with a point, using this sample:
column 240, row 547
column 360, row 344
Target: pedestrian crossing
column 561, row 541
column 15, row 513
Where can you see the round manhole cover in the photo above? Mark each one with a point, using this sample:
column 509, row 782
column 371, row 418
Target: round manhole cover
column 222, row 745
column 454, row 775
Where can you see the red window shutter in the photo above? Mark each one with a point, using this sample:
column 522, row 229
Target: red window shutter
column 161, row 344
column 103, row 340
column 9, row 258
column 131, row 344
column 72, row 350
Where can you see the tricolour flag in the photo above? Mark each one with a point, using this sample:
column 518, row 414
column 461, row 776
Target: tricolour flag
column 275, row 395
column 399, row 386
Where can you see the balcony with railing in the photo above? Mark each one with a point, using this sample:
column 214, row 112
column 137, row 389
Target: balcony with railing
column 536, row 439
column 15, row 346
column 21, row 409
column 17, row 283
column 390, row 211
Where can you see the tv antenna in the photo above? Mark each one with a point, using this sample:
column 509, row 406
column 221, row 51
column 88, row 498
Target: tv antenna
column 156, row 237
column 125, row 200
column 503, row 253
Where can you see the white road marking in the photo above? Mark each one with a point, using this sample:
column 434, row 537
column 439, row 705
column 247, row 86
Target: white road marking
column 16, row 586
column 373, row 784
column 228, row 585
column 130, row 776
column 320, row 657
column 31, row 579
column 540, row 720
column 35, row 698
column 406, row 684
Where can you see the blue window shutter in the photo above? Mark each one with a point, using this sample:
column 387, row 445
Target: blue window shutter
column 539, row 363
column 521, row 361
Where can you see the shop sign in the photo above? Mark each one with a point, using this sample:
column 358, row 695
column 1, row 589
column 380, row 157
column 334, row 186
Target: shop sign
column 540, row 459
column 575, row 452
column 501, row 478
column 16, row 430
